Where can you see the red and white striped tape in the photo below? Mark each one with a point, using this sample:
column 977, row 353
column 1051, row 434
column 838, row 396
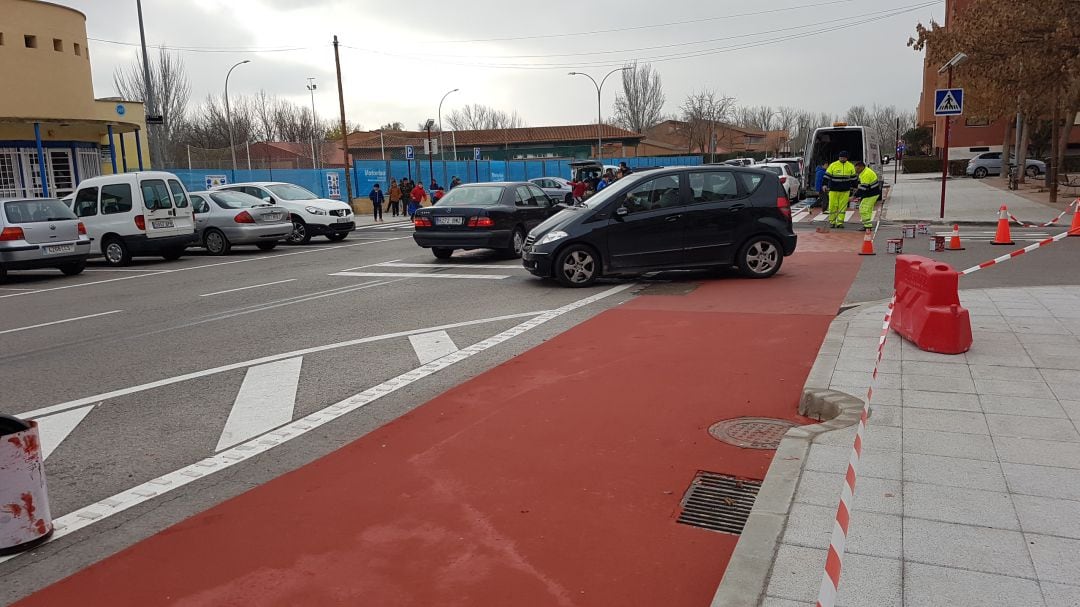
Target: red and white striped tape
column 1016, row 253
column 1071, row 205
column 830, row 580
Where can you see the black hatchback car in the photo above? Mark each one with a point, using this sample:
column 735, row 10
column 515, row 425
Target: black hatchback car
column 671, row 218
column 482, row 216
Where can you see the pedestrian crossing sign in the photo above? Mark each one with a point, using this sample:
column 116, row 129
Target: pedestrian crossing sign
column 948, row 102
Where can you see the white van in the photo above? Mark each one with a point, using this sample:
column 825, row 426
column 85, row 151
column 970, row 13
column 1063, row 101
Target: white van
column 135, row 214
column 826, row 143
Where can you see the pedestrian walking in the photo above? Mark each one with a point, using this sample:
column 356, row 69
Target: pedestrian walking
column 454, row 182
column 839, row 181
column 377, row 199
column 395, row 198
column 819, row 180
column 602, row 182
column 577, row 189
column 624, row 169
column 416, row 198
column 867, row 193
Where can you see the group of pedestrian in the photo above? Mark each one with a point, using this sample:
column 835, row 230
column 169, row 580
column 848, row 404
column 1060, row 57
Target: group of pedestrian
column 587, row 186
column 845, row 182
column 406, row 197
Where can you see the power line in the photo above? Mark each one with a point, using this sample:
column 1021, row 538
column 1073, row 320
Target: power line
column 205, row 49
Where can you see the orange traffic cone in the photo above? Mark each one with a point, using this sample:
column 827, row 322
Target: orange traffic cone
column 1074, row 229
column 868, row 244
column 954, row 240
column 1003, row 236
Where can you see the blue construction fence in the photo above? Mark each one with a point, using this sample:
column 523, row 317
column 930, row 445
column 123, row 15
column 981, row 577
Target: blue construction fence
column 330, row 183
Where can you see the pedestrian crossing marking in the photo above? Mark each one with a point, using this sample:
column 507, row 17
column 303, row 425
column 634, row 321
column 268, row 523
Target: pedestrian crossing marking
column 265, row 401
column 432, row 346
column 53, row 429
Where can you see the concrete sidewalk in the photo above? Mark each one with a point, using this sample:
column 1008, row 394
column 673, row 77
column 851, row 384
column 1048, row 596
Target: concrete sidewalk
column 969, row 487
column 918, row 198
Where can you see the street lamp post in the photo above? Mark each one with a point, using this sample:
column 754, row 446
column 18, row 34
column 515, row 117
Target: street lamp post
column 957, row 59
column 228, row 114
column 599, row 120
column 442, row 154
column 311, row 86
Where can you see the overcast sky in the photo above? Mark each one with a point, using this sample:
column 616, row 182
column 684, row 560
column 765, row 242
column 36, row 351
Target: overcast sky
column 402, row 56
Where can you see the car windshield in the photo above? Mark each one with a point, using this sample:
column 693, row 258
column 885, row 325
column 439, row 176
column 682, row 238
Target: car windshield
column 288, row 191
column 472, row 196
column 776, row 170
column 235, row 200
column 33, row 211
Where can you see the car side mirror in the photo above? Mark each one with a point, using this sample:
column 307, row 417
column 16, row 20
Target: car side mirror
column 268, row 199
column 621, row 212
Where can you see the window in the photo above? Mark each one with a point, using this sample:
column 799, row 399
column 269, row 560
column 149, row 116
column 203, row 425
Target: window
column 36, row 211
column 977, row 121
column 115, row 198
column 712, row 186
column 539, row 196
column 30, row 41
column 199, row 204
column 289, row 191
column 58, row 45
column 472, row 196
column 155, row 194
column 78, row 49
column 979, row 149
column 523, row 198
column 179, row 197
column 232, row 200
column 1, row 38
column 750, row 181
column 85, row 204
column 658, row 193
column 991, row 156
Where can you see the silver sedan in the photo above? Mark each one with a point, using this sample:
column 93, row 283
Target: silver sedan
column 41, row 233
column 225, row 218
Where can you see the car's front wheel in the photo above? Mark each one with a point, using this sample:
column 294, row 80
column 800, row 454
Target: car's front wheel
column 980, row 172
column 577, row 266
column 760, row 257
column 441, row 253
column 337, row 236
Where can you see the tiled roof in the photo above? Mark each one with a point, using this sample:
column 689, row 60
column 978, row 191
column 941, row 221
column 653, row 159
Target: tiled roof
column 537, row 134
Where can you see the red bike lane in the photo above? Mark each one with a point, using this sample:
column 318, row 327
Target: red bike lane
column 552, row 479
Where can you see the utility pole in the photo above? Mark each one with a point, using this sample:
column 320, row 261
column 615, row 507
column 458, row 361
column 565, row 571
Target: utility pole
column 896, row 159
column 311, row 86
column 151, row 102
column 344, row 131
column 430, row 156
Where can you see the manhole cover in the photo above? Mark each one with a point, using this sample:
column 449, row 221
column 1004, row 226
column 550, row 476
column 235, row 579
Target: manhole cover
column 718, row 502
column 751, row 432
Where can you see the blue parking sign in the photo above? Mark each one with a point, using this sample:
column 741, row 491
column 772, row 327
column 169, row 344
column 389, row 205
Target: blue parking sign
column 409, row 153
column 476, row 153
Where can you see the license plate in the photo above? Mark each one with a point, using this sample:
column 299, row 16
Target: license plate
column 57, row 249
column 162, row 223
column 273, row 216
column 343, row 219
column 448, row 221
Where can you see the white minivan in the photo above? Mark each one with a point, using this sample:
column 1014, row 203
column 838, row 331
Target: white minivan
column 826, row 143
column 135, row 214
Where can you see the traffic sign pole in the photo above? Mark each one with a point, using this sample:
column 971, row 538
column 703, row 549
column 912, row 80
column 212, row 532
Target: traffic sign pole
column 948, row 103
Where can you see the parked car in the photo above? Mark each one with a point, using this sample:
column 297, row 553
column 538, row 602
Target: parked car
column 989, row 163
column 740, row 162
column 556, row 188
column 795, row 164
column 135, row 214
column 482, row 216
column 226, row 218
column 311, row 215
column 673, row 218
column 791, row 183
column 41, row 233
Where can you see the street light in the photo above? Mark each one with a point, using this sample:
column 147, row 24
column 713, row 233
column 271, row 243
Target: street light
column 957, row 60
column 228, row 113
column 442, row 154
column 430, row 157
column 599, row 87
column 311, row 86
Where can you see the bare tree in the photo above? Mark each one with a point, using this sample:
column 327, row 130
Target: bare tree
column 392, row 126
column 858, row 115
column 883, row 119
column 641, row 104
column 481, row 117
column 172, row 93
column 703, row 113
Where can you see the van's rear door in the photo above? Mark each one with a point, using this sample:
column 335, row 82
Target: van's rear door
column 160, row 213
column 183, row 214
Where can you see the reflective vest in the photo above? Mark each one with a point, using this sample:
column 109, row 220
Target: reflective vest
column 869, row 184
column 840, row 176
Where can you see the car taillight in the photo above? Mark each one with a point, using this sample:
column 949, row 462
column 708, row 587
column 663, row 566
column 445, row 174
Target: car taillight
column 244, row 217
column 421, row 222
column 481, row 222
column 12, row 233
column 784, row 205
column 140, row 222
column 82, row 228
column 783, row 180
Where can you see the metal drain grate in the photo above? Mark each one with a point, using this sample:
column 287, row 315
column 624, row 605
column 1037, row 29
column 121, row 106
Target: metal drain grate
column 718, row 502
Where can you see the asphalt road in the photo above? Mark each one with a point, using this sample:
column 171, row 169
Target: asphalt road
column 138, row 373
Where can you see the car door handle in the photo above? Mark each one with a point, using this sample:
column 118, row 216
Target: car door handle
column 673, row 218
column 737, row 207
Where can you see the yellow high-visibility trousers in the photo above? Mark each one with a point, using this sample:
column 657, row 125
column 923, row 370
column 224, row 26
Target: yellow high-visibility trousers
column 838, row 204
column 866, row 211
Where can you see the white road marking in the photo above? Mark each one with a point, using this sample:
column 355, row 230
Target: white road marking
column 265, row 284
column 420, row 275
column 55, row 428
column 147, row 271
column 432, row 346
column 105, row 396
column 208, row 265
column 458, row 266
column 87, row 515
column 57, row 322
column 265, row 401
column 15, row 289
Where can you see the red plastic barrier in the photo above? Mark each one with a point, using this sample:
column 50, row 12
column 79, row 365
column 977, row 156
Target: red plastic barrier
column 928, row 311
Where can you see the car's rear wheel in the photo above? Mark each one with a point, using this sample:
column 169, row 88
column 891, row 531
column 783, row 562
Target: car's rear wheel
column 300, row 233
column 216, row 242
column 3, row 275
column 577, row 266
column 116, row 252
column 760, row 257
column 517, row 243
column 74, row 268
column 980, row 172
column 267, row 246
column 172, row 254
column 1032, row 172
column 441, row 252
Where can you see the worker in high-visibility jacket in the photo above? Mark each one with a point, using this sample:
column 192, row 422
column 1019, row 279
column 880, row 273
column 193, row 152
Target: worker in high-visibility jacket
column 839, row 181
column 867, row 193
